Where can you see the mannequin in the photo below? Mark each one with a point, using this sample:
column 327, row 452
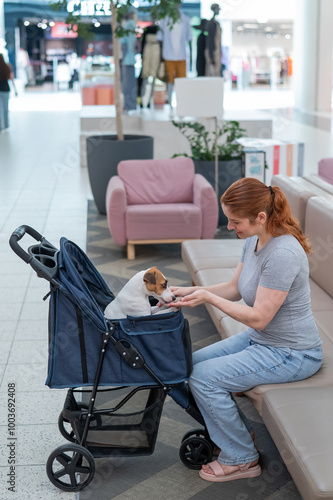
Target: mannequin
column 201, row 47
column 214, row 41
column 174, row 38
column 128, row 61
column 151, row 58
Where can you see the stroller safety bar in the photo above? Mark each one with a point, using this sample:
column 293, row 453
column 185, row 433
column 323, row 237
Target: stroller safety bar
column 42, row 256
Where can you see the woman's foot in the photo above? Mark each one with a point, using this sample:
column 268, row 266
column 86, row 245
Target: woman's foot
column 216, row 472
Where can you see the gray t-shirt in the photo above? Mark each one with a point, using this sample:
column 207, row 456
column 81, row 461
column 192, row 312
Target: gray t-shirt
column 281, row 264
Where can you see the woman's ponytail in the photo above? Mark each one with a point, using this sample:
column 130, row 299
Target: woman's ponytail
column 281, row 221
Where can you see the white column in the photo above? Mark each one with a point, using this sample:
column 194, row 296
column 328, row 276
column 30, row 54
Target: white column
column 2, row 26
column 312, row 55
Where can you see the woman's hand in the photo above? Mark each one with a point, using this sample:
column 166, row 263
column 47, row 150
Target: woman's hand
column 193, row 299
column 181, row 291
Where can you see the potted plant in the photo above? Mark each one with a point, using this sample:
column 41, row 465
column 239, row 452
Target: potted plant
column 105, row 151
column 219, row 145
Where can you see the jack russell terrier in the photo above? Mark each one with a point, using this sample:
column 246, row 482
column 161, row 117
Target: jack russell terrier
column 133, row 298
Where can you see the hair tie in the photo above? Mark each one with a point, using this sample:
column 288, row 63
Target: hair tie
column 271, row 189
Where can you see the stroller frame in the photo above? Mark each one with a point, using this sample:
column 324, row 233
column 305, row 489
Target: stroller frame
column 71, row 467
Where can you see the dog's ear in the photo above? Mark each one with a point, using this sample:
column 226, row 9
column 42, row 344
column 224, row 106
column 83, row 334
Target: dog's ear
column 150, row 276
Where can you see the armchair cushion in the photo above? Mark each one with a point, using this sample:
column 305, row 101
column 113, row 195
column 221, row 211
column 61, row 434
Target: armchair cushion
column 166, row 181
column 205, row 198
column 325, row 169
column 163, row 221
column 116, row 204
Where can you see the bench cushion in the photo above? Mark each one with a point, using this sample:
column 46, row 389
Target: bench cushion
column 322, row 183
column 320, row 300
column 306, row 449
column 322, row 378
column 296, row 194
column 318, row 229
column 211, row 254
column 212, row 277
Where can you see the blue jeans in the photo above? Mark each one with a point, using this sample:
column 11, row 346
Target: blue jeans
column 237, row 364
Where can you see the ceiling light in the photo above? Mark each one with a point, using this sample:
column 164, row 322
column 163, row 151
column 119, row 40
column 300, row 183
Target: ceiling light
column 26, row 23
column 51, row 23
column 287, row 36
column 251, row 26
column 239, row 28
column 268, row 28
column 97, row 24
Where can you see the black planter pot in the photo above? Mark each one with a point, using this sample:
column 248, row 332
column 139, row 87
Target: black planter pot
column 104, row 152
column 228, row 172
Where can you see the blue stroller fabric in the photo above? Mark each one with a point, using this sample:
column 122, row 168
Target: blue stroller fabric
column 77, row 325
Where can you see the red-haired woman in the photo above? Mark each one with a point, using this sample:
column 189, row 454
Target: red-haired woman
column 5, row 76
column 281, row 342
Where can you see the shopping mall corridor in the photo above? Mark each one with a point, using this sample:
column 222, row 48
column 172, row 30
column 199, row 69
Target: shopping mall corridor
column 43, row 185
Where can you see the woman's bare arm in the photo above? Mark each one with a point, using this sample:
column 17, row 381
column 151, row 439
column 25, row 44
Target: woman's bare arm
column 227, row 290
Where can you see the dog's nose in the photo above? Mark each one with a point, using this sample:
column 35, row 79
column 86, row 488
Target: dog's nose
column 174, row 297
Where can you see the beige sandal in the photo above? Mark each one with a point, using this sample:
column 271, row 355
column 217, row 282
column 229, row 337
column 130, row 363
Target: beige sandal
column 244, row 471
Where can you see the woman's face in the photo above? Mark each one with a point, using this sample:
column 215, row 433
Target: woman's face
column 243, row 227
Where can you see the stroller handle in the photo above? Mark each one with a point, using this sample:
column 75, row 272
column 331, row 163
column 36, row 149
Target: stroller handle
column 42, row 256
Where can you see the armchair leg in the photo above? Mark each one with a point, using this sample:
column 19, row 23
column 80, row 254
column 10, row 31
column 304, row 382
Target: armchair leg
column 130, row 251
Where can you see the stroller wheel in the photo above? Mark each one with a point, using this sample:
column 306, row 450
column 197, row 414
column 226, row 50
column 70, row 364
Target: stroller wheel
column 194, row 432
column 70, row 467
column 195, row 451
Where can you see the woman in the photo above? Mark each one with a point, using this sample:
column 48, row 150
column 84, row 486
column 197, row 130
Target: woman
column 5, row 76
column 281, row 342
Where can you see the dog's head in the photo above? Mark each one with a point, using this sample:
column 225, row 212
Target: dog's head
column 157, row 285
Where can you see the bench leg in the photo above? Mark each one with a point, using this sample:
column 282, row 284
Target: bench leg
column 130, row 251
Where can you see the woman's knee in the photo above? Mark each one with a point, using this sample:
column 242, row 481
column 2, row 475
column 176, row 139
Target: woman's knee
column 198, row 377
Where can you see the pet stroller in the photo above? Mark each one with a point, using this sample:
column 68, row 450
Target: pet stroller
column 118, row 372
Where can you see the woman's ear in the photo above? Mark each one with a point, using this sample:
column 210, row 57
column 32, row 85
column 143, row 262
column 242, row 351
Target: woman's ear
column 262, row 218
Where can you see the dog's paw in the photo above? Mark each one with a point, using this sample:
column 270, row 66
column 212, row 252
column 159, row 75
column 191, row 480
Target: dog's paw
column 163, row 309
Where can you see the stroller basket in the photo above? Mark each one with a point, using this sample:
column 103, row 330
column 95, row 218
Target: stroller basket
column 125, row 421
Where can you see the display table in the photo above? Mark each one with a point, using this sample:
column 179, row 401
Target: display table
column 282, row 157
column 168, row 140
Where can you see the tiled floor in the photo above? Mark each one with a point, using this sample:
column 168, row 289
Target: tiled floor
column 43, row 185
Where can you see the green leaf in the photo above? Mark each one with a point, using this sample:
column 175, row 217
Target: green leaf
column 202, row 142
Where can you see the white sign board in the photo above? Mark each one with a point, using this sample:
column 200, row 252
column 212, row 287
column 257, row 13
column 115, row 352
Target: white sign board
column 199, row 97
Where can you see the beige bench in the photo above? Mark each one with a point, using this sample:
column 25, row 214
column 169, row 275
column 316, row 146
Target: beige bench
column 213, row 262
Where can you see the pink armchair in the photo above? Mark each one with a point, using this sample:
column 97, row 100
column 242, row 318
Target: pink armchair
column 159, row 201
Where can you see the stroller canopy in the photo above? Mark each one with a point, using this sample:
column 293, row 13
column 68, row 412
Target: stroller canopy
column 81, row 282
